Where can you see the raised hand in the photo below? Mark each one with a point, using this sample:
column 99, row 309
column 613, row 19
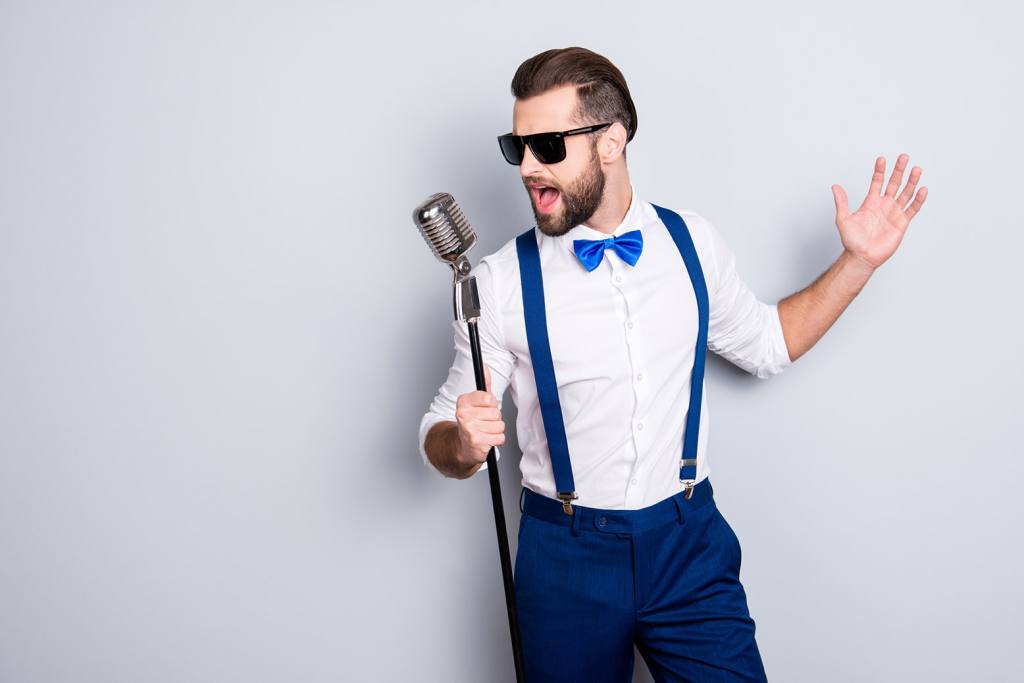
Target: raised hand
column 874, row 231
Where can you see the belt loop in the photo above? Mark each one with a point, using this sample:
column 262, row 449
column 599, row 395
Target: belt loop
column 574, row 525
column 677, row 499
column 522, row 495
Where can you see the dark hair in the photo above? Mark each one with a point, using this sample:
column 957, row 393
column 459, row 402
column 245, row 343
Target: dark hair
column 600, row 86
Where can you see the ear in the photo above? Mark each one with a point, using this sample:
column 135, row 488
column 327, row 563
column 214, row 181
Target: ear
column 612, row 142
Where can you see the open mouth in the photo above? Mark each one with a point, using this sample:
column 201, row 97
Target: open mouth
column 545, row 197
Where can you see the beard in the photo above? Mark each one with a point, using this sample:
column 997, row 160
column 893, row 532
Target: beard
column 579, row 201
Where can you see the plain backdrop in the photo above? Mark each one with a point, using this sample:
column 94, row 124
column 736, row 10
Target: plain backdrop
column 219, row 329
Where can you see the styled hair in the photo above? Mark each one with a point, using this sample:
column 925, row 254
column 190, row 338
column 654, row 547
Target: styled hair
column 600, row 86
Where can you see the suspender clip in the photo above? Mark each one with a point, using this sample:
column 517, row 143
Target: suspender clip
column 565, row 497
column 688, row 484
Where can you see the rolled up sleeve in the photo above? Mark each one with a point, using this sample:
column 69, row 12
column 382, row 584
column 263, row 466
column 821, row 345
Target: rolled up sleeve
column 742, row 329
column 461, row 378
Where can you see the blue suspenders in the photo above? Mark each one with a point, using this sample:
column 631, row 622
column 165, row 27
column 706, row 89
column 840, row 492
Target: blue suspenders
column 544, row 370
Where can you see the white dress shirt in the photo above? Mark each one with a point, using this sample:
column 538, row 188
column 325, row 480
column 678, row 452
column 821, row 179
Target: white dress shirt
column 622, row 343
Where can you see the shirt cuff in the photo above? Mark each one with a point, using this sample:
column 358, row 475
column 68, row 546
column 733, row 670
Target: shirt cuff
column 780, row 353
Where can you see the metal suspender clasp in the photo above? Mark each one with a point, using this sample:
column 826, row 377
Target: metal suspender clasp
column 688, row 483
column 565, row 497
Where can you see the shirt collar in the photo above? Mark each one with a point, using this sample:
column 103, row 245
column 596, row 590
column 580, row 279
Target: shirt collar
column 633, row 220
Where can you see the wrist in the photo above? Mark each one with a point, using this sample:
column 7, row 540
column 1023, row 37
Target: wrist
column 463, row 469
column 464, row 466
column 856, row 265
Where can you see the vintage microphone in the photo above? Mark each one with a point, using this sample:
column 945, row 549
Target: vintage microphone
column 446, row 230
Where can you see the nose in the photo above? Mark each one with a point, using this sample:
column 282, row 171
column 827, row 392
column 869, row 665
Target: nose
column 530, row 165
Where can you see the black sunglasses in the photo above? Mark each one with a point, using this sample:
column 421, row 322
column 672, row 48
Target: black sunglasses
column 549, row 148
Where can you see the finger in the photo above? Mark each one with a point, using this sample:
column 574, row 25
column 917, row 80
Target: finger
column 473, row 406
column 897, row 175
column 482, row 399
column 922, row 194
column 480, row 444
column 877, row 177
column 490, row 426
column 839, row 195
column 489, row 414
column 908, row 191
column 495, row 439
column 470, row 400
column 483, row 440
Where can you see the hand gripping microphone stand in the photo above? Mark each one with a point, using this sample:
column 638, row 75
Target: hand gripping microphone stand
column 446, row 230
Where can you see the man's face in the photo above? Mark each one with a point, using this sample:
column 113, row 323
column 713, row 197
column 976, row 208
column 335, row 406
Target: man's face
column 565, row 194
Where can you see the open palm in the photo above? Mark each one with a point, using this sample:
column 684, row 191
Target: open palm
column 872, row 232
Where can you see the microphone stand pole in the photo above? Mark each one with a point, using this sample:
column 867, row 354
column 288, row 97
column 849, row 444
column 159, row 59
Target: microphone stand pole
column 467, row 308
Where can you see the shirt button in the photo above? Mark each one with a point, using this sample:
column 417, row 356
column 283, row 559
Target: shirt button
column 629, row 324
column 639, row 377
column 640, row 426
column 618, row 278
column 632, row 481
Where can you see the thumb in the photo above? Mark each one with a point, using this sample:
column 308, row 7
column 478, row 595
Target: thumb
column 487, row 377
column 839, row 195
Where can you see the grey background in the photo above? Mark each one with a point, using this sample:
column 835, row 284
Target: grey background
column 219, row 329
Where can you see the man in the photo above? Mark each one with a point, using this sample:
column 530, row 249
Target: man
column 620, row 540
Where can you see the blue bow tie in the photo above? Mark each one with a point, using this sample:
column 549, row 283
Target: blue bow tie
column 628, row 246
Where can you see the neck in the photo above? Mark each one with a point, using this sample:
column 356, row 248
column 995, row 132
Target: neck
column 614, row 204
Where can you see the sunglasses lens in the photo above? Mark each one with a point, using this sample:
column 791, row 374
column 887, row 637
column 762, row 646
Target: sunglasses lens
column 511, row 148
column 548, row 148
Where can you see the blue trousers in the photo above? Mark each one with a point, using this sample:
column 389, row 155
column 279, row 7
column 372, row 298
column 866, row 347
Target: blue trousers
column 665, row 577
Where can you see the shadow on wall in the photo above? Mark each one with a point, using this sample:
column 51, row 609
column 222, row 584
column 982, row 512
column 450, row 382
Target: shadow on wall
column 491, row 195
column 487, row 190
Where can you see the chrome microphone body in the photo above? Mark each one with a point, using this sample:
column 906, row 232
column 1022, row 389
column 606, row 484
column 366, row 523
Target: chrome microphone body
column 447, row 232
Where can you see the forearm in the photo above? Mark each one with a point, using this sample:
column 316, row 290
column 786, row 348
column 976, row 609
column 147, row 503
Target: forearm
column 442, row 447
column 807, row 314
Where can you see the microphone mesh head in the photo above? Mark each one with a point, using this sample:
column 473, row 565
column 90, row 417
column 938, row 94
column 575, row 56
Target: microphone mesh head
column 444, row 227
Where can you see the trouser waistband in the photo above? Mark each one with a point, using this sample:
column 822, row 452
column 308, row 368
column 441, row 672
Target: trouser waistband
column 672, row 508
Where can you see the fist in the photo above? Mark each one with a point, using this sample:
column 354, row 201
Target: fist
column 480, row 423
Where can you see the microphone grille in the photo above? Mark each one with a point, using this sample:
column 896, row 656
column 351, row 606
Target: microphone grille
column 444, row 227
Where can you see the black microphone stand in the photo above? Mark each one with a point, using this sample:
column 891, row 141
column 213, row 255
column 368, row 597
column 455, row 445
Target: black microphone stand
column 467, row 307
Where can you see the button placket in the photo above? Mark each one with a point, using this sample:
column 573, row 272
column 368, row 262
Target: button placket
column 619, row 277
column 634, row 492
column 638, row 378
column 635, row 355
